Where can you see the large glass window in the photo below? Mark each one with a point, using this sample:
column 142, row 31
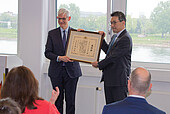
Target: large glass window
column 149, row 25
column 8, row 26
column 86, row 14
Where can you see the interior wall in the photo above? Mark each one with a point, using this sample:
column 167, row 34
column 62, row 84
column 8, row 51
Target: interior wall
column 33, row 22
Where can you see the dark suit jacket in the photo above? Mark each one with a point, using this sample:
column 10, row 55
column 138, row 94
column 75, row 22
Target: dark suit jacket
column 117, row 64
column 54, row 48
column 131, row 105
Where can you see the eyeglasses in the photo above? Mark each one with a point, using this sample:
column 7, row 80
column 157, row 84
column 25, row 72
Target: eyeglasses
column 61, row 18
column 114, row 22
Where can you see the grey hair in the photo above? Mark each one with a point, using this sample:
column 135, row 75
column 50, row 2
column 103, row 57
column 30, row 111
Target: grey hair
column 9, row 106
column 64, row 11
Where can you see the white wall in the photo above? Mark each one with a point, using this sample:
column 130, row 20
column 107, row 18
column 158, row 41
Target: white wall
column 30, row 34
column 36, row 17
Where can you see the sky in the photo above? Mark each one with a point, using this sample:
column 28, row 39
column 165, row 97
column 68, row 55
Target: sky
column 88, row 5
column 134, row 7
column 144, row 7
column 9, row 5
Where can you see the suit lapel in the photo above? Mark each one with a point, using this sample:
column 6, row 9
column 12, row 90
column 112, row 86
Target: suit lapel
column 119, row 37
column 59, row 38
column 67, row 37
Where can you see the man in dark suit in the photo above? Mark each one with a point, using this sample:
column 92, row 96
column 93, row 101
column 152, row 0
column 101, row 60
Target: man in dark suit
column 138, row 86
column 62, row 71
column 117, row 63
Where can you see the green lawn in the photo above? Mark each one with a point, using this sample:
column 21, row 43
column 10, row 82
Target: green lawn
column 148, row 40
column 8, row 33
column 151, row 40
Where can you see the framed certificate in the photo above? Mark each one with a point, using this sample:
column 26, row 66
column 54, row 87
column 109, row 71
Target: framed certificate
column 84, row 46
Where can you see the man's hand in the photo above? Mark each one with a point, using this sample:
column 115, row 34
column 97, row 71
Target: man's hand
column 64, row 59
column 95, row 64
column 102, row 33
column 54, row 95
column 80, row 29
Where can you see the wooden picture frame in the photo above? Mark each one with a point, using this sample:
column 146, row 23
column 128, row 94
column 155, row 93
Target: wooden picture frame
column 84, row 46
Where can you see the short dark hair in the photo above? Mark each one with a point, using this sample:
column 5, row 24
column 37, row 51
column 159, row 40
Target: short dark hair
column 9, row 106
column 120, row 15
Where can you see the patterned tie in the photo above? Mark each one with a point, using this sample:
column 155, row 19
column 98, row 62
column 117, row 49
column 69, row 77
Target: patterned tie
column 112, row 42
column 64, row 38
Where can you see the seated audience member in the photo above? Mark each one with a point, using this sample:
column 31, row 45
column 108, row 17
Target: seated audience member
column 138, row 86
column 21, row 85
column 9, row 106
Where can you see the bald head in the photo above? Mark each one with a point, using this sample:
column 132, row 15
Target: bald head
column 140, row 81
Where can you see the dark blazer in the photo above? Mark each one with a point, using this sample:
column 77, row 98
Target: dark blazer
column 117, row 64
column 131, row 105
column 53, row 49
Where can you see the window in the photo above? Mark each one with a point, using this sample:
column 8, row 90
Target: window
column 8, row 26
column 86, row 14
column 148, row 23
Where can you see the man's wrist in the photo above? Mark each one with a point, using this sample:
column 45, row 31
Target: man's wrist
column 97, row 64
column 58, row 60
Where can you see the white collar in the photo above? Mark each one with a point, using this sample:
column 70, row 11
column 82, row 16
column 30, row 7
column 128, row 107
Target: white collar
column 138, row 96
column 63, row 29
column 120, row 32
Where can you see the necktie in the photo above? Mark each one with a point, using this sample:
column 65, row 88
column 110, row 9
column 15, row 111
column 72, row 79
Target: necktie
column 112, row 42
column 64, row 42
column 64, row 38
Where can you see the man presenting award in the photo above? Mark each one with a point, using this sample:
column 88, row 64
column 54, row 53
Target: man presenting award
column 117, row 63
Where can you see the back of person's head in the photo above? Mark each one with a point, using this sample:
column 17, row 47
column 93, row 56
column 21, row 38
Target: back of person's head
column 120, row 15
column 64, row 11
column 9, row 106
column 21, row 85
column 140, row 80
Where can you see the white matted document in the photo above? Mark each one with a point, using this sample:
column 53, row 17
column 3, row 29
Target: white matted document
column 84, row 46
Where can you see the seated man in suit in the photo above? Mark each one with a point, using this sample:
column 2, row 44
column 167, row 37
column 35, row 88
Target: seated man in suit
column 138, row 86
